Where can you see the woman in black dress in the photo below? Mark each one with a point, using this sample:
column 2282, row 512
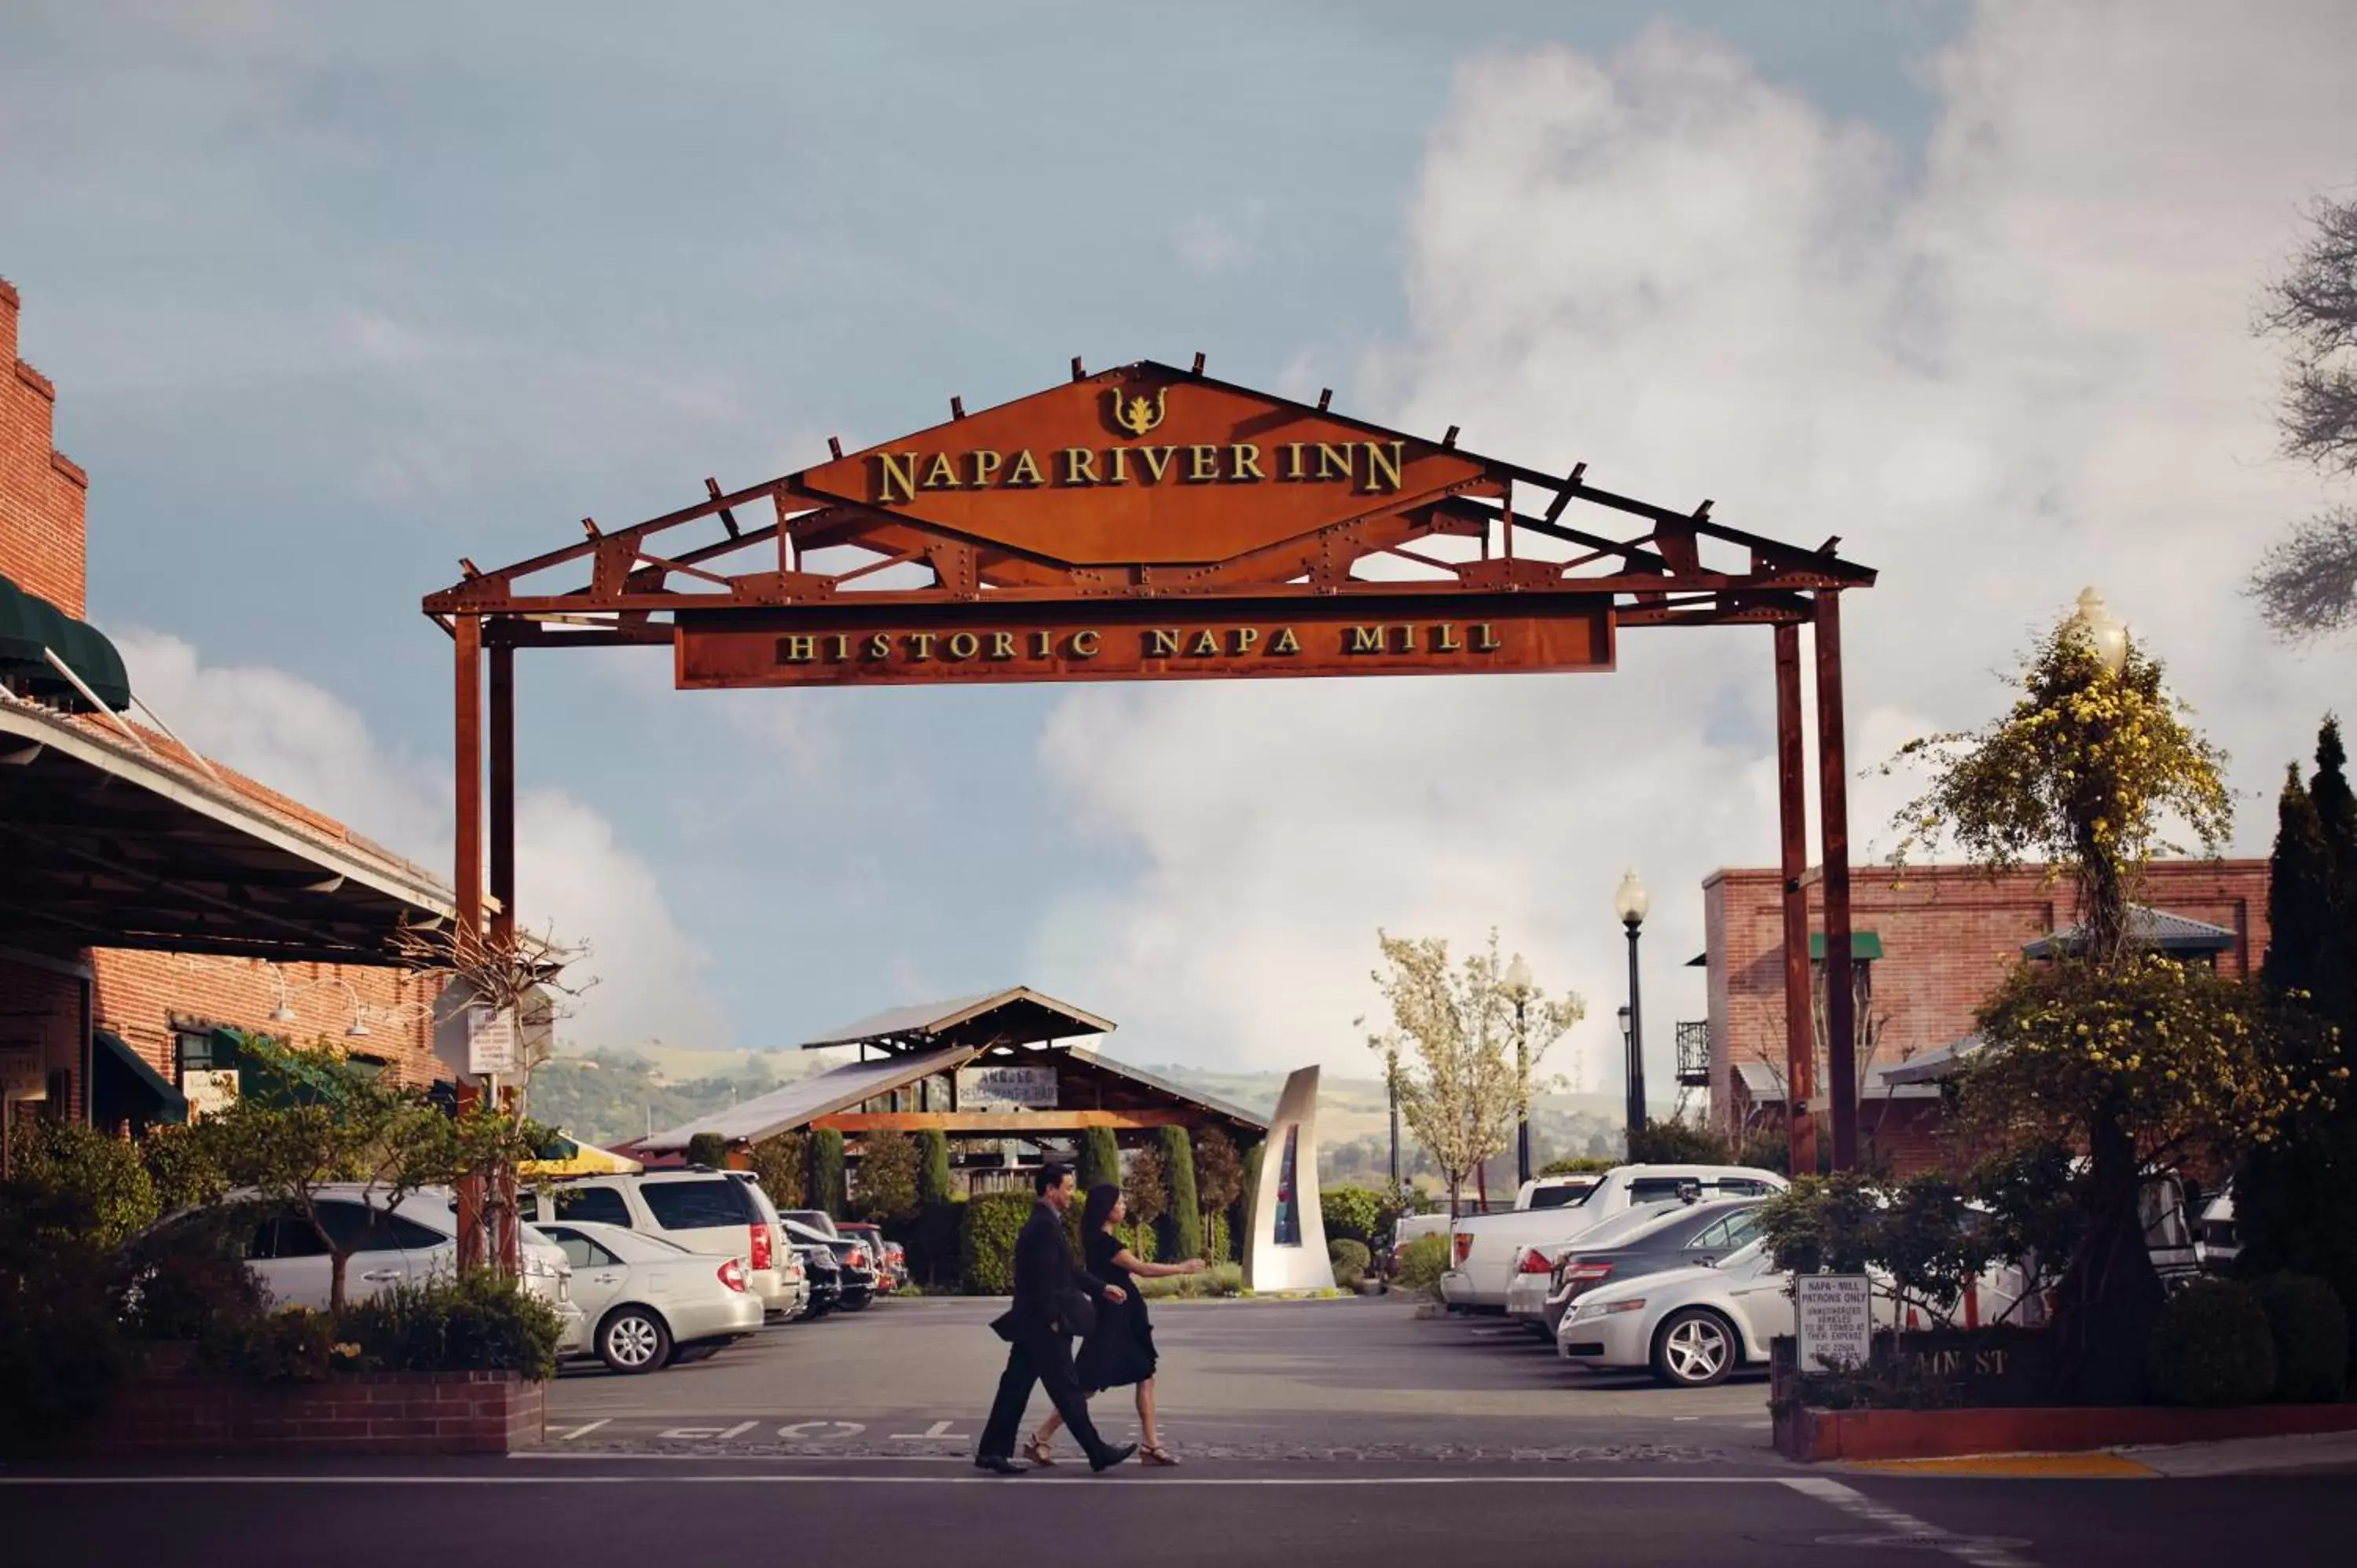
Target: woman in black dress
column 1121, row 1351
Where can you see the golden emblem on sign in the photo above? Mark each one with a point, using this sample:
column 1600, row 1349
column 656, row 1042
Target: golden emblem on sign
column 1135, row 414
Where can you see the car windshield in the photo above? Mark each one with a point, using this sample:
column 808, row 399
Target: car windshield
column 1565, row 1195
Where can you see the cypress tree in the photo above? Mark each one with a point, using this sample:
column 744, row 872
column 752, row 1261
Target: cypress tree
column 2336, row 817
column 828, row 1188
column 1184, row 1216
column 933, row 1178
column 2300, row 893
column 1100, row 1162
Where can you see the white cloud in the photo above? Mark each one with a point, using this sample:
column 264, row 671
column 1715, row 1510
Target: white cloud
column 1221, row 242
column 576, row 879
column 2024, row 367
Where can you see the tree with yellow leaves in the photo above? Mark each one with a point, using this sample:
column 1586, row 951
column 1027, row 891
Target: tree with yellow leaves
column 2116, row 1053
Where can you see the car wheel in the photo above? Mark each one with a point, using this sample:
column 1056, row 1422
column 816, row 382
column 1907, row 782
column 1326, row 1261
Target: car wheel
column 633, row 1339
column 688, row 1355
column 1695, row 1348
column 857, row 1304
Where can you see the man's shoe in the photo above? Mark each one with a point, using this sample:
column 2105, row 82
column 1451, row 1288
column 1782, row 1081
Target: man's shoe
column 1112, row 1457
column 999, row 1464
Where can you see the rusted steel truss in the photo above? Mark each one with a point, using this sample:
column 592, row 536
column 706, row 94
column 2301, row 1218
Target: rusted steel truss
column 753, row 548
column 1452, row 538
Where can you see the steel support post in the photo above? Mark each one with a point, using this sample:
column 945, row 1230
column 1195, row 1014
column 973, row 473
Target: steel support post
column 1793, row 819
column 1523, row 1090
column 1841, row 986
column 504, row 916
column 467, row 876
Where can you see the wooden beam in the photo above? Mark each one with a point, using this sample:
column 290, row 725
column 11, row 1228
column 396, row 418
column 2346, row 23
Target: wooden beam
column 999, row 1123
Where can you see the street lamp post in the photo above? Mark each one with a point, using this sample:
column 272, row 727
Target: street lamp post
column 1518, row 985
column 1632, row 903
column 1390, row 1087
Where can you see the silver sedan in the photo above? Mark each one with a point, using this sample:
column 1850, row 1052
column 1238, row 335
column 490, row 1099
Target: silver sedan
column 648, row 1301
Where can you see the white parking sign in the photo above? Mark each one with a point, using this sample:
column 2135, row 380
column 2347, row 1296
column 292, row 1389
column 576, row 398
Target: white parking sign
column 1834, row 1314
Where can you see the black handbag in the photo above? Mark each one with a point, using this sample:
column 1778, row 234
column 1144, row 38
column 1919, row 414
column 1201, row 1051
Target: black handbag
column 1078, row 1312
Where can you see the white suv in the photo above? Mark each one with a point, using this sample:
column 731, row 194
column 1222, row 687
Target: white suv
column 415, row 1242
column 721, row 1213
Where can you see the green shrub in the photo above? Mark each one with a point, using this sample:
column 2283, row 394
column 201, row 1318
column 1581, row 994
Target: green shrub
column 1354, row 1213
column 188, row 1282
column 1676, row 1143
column 1419, row 1265
column 1218, row 1247
column 1220, row 1280
column 2212, row 1347
column 296, row 1345
column 708, row 1149
column 987, row 1241
column 1349, row 1253
column 98, row 1177
column 2311, row 1336
column 1579, row 1165
column 61, row 1350
column 779, row 1166
column 478, row 1322
column 1348, row 1279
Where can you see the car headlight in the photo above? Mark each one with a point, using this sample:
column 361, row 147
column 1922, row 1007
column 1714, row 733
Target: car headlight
column 1598, row 1308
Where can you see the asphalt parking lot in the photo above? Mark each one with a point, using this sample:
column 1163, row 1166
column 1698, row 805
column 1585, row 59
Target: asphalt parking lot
column 1240, row 1379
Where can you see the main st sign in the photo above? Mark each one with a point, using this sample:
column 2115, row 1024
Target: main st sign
column 1192, row 518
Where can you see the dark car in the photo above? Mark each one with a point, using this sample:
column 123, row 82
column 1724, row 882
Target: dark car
column 855, row 1265
column 1701, row 1233
column 824, row 1271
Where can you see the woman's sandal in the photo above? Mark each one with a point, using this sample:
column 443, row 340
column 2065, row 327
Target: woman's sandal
column 1157, row 1454
column 1035, row 1450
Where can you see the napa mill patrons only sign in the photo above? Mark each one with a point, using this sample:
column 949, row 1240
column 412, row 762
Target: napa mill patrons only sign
column 1834, row 1317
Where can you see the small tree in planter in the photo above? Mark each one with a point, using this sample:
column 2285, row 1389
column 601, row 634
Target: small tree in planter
column 1219, row 1183
column 337, row 1125
column 2110, row 1049
column 1147, row 1193
column 887, row 1177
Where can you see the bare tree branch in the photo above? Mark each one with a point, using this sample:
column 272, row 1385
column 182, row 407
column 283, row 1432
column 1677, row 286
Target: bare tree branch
column 2307, row 583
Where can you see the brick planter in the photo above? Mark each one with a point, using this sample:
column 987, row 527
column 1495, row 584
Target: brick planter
column 387, row 1413
column 1810, row 1435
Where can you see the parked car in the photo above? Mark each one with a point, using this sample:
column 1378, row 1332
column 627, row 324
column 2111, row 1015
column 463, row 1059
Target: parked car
column 651, row 1302
column 416, row 1242
column 721, row 1213
column 1485, row 1249
column 1679, row 1237
column 2216, row 1242
column 856, row 1275
column 1691, row 1325
column 824, row 1272
column 889, row 1260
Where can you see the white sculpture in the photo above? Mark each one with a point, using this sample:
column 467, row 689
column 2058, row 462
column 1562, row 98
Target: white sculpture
column 1287, row 1250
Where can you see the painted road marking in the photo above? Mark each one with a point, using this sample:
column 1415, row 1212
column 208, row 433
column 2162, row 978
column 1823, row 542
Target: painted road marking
column 837, row 1479
column 583, row 1431
column 801, row 1431
column 937, row 1432
column 2095, row 1466
column 1895, row 1529
column 709, row 1433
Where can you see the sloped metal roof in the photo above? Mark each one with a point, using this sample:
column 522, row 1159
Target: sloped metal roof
column 1176, row 1090
column 798, row 1104
column 1032, row 1017
column 2155, row 930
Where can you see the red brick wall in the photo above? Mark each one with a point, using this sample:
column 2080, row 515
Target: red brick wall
column 1949, row 934
column 410, row 1413
column 41, row 491
column 40, row 1003
column 141, row 995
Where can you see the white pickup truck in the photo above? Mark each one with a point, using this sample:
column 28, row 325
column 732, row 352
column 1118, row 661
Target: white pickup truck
column 1483, row 1247
column 1545, row 1192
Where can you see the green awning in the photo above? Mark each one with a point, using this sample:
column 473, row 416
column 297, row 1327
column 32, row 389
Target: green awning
column 1863, row 945
column 31, row 628
column 123, row 1088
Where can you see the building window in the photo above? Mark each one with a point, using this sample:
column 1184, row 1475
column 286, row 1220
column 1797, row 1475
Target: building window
column 194, row 1049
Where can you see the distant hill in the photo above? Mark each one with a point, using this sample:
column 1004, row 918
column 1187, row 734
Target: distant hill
column 612, row 1095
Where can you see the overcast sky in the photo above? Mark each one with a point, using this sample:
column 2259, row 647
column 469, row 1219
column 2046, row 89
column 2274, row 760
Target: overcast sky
column 333, row 296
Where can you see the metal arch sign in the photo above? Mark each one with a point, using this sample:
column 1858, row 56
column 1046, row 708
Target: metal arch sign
column 1125, row 640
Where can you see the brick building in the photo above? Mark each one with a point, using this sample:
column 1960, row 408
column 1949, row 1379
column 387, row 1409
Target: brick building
column 1930, row 946
column 153, row 901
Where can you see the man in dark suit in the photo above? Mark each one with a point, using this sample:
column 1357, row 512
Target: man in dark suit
column 1038, row 1329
